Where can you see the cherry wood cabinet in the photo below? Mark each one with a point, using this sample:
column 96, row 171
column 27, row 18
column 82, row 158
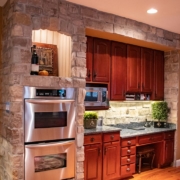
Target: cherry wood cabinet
column 89, row 58
column 102, row 156
column 133, row 68
column 111, row 160
column 118, row 70
column 93, row 161
column 98, row 60
column 147, row 70
column 158, row 89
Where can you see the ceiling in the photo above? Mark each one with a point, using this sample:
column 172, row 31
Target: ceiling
column 168, row 16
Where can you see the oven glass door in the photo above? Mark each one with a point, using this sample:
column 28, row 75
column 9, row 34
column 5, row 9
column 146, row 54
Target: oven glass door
column 49, row 119
column 50, row 161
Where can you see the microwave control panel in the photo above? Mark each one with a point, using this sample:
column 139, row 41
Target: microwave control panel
column 51, row 92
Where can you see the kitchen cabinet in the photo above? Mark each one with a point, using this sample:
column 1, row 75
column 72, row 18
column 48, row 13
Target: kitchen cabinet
column 158, row 89
column 140, row 69
column 98, row 60
column 102, row 157
column 128, row 156
column 168, row 148
column 133, row 68
column 118, row 71
column 147, row 70
column 93, row 157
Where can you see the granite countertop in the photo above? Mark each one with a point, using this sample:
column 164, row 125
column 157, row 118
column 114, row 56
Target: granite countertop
column 125, row 132
column 101, row 129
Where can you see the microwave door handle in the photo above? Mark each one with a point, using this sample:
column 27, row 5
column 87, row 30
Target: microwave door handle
column 42, row 101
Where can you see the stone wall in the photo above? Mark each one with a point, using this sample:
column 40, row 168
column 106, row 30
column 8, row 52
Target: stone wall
column 20, row 17
column 126, row 112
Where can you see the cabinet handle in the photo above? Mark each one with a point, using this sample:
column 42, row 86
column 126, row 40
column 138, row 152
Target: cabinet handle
column 112, row 137
column 169, row 135
column 89, row 73
column 128, row 151
column 94, row 74
column 92, row 139
column 128, row 169
column 129, row 142
column 128, row 160
column 105, row 150
column 138, row 85
column 99, row 151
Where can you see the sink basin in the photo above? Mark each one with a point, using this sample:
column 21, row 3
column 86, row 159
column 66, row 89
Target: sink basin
column 137, row 128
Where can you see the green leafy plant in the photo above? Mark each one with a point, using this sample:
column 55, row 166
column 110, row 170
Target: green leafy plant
column 160, row 110
column 90, row 115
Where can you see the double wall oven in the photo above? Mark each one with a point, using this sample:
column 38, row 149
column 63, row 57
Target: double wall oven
column 49, row 129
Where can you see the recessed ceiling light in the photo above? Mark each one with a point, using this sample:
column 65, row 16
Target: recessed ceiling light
column 152, row 11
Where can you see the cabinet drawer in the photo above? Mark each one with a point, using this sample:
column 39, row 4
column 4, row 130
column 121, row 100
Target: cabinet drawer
column 150, row 138
column 92, row 139
column 128, row 150
column 114, row 136
column 169, row 135
column 128, row 159
column 128, row 169
column 128, row 142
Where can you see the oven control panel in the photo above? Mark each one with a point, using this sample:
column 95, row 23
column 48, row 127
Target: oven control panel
column 51, row 92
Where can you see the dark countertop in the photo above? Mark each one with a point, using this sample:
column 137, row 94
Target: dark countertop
column 125, row 133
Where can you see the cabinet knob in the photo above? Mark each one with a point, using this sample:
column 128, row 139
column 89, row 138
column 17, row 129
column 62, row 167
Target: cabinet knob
column 129, row 142
column 128, row 160
column 128, row 151
column 128, row 169
column 92, row 139
column 112, row 137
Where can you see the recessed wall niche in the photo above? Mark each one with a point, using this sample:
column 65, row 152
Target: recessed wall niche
column 63, row 43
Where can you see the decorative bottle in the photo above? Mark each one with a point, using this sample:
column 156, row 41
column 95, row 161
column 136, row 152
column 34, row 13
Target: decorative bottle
column 34, row 61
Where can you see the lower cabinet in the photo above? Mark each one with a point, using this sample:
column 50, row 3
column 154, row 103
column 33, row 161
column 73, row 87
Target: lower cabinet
column 111, row 160
column 102, row 158
column 93, row 161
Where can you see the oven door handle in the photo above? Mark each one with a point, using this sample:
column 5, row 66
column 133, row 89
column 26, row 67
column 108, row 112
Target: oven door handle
column 52, row 101
column 42, row 145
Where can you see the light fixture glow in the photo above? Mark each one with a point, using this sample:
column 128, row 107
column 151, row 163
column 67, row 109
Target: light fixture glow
column 152, row 11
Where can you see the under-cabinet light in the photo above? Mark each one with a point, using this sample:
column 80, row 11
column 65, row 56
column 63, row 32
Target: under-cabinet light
column 152, row 11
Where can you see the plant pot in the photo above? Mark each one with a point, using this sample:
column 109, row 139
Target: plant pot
column 90, row 123
column 161, row 124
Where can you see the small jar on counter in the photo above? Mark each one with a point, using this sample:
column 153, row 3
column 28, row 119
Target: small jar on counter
column 100, row 121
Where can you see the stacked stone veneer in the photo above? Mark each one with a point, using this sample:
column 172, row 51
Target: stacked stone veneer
column 20, row 17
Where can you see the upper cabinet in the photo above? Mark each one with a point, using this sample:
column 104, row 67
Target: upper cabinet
column 158, row 89
column 118, row 71
column 133, row 68
column 127, row 69
column 140, row 71
column 98, row 60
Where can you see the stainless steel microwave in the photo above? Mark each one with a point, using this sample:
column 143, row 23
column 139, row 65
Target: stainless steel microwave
column 96, row 96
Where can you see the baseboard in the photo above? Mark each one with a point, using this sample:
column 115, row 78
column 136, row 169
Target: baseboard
column 178, row 163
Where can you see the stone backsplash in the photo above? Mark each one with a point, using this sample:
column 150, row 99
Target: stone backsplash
column 126, row 112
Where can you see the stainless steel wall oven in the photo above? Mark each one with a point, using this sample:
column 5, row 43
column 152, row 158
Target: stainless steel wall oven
column 49, row 129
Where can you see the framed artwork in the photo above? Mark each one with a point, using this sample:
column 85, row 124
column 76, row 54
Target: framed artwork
column 47, row 56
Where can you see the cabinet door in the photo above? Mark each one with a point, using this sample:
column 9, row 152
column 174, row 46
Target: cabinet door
column 101, row 61
column 158, row 93
column 118, row 71
column 89, row 58
column 147, row 70
column 111, row 160
column 133, row 68
column 93, row 162
column 168, row 151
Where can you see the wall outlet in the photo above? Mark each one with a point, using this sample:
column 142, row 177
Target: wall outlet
column 178, row 163
column 7, row 107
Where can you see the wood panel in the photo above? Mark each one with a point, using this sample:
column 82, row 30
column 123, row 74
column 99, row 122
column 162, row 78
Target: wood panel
column 0, row 36
column 118, row 71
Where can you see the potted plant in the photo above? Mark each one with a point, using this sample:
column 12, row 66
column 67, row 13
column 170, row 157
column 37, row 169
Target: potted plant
column 160, row 113
column 90, row 120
